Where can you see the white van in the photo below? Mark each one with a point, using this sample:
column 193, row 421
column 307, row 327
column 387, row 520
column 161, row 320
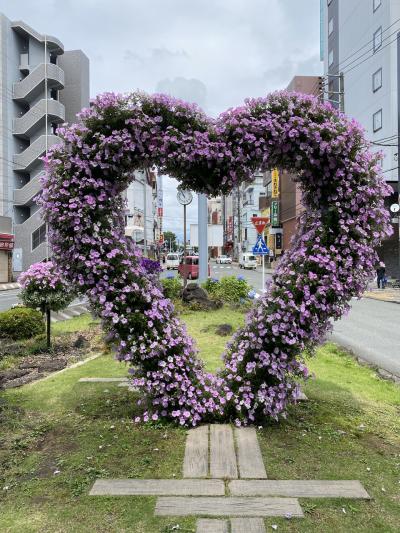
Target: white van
column 248, row 260
column 172, row 261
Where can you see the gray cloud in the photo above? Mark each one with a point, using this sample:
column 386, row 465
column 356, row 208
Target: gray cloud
column 190, row 90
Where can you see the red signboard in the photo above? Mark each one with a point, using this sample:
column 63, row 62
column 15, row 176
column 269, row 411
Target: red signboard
column 161, row 239
column 259, row 223
column 160, row 212
column 6, row 241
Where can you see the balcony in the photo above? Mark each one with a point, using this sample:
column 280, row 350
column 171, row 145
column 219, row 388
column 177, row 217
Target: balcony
column 27, row 159
column 32, row 86
column 35, row 117
column 27, row 193
column 53, row 44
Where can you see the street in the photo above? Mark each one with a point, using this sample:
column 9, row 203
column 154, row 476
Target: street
column 371, row 331
column 8, row 299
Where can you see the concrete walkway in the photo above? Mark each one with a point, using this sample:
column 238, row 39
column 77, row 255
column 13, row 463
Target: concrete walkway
column 224, row 476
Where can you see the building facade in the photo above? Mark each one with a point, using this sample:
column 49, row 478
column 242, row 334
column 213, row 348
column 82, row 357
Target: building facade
column 360, row 41
column 250, row 199
column 141, row 220
column 41, row 87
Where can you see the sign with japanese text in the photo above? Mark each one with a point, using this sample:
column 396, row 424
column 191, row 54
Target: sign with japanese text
column 275, row 212
column 275, row 183
column 6, row 241
column 259, row 223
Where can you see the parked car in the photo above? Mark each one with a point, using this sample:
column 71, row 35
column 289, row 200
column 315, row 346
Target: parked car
column 248, row 260
column 191, row 267
column 172, row 261
column 224, row 259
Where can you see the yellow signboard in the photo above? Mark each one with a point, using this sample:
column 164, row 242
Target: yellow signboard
column 275, row 183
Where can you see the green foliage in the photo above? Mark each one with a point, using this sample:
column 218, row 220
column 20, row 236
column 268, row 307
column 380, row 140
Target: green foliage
column 172, row 288
column 21, row 323
column 228, row 288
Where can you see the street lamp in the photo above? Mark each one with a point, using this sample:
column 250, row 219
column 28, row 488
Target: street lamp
column 184, row 197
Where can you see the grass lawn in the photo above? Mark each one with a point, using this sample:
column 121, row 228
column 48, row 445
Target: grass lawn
column 57, row 436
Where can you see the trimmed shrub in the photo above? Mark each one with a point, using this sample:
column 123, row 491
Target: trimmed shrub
column 21, row 323
column 228, row 288
column 172, row 288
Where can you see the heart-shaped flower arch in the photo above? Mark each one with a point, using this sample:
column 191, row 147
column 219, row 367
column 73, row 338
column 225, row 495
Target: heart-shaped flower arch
column 331, row 259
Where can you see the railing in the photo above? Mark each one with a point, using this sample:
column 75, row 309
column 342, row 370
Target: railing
column 53, row 43
column 26, row 159
column 26, row 124
column 29, row 86
column 26, row 194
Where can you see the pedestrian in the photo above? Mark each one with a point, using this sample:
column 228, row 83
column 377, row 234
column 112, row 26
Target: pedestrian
column 381, row 275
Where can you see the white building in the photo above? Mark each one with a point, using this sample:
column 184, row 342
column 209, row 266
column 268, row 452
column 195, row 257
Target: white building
column 359, row 39
column 250, row 207
column 141, row 221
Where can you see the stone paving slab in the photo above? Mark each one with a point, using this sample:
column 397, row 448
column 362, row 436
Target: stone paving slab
column 247, row 525
column 102, row 380
column 217, row 506
column 222, row 452
column 250, row 461
column 195, row 462
column 212, row 526
column 158, row 487
column 299, row 488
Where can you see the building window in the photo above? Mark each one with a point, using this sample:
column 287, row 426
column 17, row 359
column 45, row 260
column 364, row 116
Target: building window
column 377, row 39
column 377, row 120
column 53, row 59
column 330, row 26
column 330, row 58
column 38, row 236
column 54, row 94
column 377, row 80
column 376, row 4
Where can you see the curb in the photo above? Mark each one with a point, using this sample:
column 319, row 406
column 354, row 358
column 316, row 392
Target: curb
column 382, row 300
column 9, row 286
column 75, row 365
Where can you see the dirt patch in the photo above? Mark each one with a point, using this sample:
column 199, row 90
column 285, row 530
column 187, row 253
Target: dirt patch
column 38, row 362
column 58, row 441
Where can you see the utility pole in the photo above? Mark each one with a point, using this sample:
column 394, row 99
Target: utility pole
column 203, row 237
column 341, row 92
column 145, row 213
column 398, row 146
column 46, row 115
column 239, row 223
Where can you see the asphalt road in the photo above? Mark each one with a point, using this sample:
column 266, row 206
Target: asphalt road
column 8, row 299
column 372, row 331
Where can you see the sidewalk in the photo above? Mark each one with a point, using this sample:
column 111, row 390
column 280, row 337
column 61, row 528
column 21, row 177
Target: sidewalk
column 9, row 286
column 384, row 295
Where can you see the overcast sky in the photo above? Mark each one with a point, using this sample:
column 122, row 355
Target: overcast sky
column 213, row 52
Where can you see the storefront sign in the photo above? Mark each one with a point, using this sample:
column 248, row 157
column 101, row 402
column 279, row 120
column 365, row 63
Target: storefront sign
column 6, row 241
column 274, row 212
column 278, row 241
column 275, row 183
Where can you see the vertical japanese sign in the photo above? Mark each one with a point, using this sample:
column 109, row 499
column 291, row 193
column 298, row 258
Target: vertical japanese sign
column 275, row 212
column 275, row 183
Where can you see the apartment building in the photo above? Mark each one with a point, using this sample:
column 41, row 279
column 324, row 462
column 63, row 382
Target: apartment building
column 41, row 86
column 250, row 198
column 360, row 40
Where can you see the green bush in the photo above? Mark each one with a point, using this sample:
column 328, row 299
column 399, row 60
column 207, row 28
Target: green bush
column 228, row 288
column 172, row 288
column 21, row 323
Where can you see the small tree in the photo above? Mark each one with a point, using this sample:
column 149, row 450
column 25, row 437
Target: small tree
column 43, row 288
column 170, row 239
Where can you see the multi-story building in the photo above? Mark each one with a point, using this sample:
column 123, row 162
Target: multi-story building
column 360, row 45
column 141, row 220
column 251, row 192
column 41, row 86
